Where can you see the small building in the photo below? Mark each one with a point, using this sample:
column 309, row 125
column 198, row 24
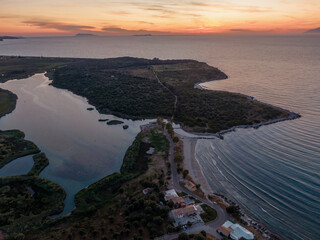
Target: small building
column 178, row 202
column 170, row 194
column 184, row 212
column 147, row 191
column 150, row 151
column 190, row 186
column 235, row 231
column 189, row 201
column 148, row 126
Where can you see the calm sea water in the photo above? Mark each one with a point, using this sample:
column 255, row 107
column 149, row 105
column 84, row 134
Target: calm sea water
column 273, row 171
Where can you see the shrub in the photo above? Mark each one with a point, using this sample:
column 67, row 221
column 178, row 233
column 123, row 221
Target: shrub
column 183, row 236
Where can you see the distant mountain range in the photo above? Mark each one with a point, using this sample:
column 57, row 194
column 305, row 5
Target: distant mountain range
column 316, row 30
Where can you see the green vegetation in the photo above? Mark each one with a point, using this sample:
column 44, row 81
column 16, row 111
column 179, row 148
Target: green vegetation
column 209, row 213
column 234, row 211
column 13, row 146
column 182, row 194
column 125, row 126
column 8, row 102
column 27, row 201
column 185, row 173
column 183, row 236
column 135, row 159
column 170, row 129
column 199, row 236
column 23, row 67
column 103, row 120
column 115, row 207
column 40, row 162
column 159, row 141
column 114, row 122
column 210, row 111
column 129, row 88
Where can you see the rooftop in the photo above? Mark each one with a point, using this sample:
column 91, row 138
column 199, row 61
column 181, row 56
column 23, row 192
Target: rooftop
column 238, row 231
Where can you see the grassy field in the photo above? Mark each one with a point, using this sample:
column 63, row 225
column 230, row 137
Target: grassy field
column 128, row 87
column 209, row 213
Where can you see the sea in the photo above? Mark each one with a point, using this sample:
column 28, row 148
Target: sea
column 273, row 172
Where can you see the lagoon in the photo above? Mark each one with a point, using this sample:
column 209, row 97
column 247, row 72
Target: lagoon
column 80, row 149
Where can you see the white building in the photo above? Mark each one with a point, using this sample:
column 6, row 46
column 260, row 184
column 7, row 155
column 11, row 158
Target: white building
column 236, row 231
column 170, row 192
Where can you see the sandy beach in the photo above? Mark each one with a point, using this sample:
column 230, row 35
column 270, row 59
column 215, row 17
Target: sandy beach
column 191, row 163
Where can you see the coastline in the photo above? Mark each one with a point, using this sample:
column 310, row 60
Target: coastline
column 192, row 164
column 291, row 116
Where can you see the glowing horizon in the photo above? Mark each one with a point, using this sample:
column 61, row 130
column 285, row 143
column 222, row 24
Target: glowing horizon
column 158, row 17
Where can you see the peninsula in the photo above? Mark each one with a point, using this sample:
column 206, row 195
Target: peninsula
column 136, row 88
column 134, row 202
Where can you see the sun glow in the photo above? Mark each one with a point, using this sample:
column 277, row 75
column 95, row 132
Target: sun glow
column 102, row 17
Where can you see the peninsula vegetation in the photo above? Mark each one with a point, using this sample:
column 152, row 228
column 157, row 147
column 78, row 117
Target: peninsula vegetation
column 8, row 102
column 137, row 88
column 13, row 146
column 26, row 200
column 116, row 206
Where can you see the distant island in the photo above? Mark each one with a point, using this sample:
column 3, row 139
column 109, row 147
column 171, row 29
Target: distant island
column 9, row 37
column 142, row 35
column 315, row 30
column 85, row 35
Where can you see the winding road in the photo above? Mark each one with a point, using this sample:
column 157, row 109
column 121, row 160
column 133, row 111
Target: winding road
column 210, row 227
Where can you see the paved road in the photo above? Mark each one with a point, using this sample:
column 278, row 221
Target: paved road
column 211, row 227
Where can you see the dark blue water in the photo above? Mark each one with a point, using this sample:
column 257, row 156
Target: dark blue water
column 273, row 172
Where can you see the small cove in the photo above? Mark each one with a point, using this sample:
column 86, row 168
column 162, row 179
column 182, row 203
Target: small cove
column 18, row 166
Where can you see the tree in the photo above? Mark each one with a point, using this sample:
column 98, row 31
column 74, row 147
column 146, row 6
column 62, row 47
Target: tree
column 199, row 237
column 170, row 229
column 183, row 236
column 158, row 220
column 175, row 139
column 178, row 158
column 185, row 173
column 198, row 186
column 234, row 211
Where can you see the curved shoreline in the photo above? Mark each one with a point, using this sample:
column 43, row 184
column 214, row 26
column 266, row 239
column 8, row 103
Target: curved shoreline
column 196, row 172
column 292, row 116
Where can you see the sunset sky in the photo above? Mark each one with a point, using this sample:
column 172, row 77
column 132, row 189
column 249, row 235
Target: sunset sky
column 127, row 17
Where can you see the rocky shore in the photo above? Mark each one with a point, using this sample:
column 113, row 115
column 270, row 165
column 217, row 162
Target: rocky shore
column 249, row 221
column 291, row 116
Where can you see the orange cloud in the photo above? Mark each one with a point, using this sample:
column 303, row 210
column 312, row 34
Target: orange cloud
column 158, row 16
